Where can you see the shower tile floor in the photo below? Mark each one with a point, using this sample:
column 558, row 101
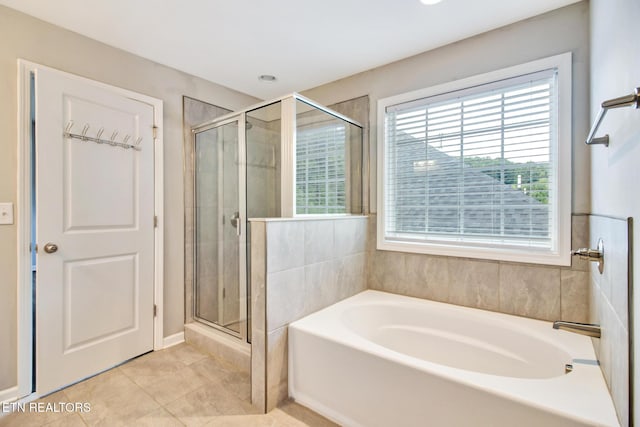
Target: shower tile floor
column 178, row 386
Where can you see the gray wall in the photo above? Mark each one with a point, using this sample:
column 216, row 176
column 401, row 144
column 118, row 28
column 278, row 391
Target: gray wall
column 556, row 32
column 543, row 292
column 34, row 40
column 615, row 71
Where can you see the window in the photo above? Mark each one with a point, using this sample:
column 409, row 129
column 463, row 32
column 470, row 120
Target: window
column 481, row 167
column 320, row 169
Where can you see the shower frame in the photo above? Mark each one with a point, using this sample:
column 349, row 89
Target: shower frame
column 288, row 119
column 240, row 118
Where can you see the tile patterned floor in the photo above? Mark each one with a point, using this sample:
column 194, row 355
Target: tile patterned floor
column 179, row 386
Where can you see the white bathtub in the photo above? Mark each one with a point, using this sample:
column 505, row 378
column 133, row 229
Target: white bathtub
column 379, row 359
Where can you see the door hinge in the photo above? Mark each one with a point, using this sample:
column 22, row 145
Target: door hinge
column 33, row 248
column 155, row 310
column 155, row 132
column 155, row 221
column 224, row 292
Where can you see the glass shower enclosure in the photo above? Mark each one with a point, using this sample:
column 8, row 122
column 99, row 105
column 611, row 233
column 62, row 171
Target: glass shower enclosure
column 289, row 157
column 218, row 296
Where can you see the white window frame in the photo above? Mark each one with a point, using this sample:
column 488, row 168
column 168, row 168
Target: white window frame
column 559, row 254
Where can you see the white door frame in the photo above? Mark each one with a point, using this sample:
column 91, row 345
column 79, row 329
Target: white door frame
column 23, row 216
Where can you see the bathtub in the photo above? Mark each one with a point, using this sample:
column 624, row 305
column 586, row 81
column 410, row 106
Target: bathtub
column 379, row 359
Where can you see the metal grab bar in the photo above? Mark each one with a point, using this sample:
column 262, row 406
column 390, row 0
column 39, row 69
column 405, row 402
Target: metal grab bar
column 623, row 101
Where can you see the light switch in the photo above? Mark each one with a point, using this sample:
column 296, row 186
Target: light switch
column 6, row 213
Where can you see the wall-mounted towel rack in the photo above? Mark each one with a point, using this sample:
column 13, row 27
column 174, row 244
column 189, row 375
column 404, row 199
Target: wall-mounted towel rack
column 623, row 101
column 98, row 139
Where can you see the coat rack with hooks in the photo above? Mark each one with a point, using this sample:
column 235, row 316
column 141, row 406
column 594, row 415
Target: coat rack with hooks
column 98, row 138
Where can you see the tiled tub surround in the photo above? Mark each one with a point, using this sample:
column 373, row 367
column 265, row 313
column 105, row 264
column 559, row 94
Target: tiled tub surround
column 379, row 359
column 298, row 266
column 535, row 291
column 609, row 306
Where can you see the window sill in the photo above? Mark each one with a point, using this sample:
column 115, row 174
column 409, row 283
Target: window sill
column 525, row 255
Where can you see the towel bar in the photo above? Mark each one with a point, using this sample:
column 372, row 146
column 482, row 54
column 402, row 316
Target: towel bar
column 623, row 101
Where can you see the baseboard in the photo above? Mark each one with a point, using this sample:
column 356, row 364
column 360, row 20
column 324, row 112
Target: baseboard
column 172, row 340
column 9, row 394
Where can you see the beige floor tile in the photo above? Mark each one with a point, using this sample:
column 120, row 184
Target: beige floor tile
column 243, row 421
column 212, row 368
column 104, row 385
column 147, row 369
column 193, row 413
column 30, row 419
column 174, row 387
column 167, row 388
column 187, row 354
column 203, row 405
column 239, row 384
column 291, row 414
column 74, row 420
column 159, row 418
column 130, row 403
column 236, row 382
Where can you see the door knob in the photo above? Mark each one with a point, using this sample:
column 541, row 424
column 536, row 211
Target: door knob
column 50, row 248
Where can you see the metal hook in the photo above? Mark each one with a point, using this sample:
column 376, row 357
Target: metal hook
column 85, row 129
column 67, row 129
column 126, row 138
column 138, row 140
column 113, row 137
column 100, row 132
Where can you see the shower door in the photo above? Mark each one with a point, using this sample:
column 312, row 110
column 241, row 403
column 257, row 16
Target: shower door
column 219, row 234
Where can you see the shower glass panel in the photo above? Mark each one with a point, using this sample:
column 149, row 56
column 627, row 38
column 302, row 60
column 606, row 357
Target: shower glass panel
column 328, row 163
column 219, row 291
column 263, row 161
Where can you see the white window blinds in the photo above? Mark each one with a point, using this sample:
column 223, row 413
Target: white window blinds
column 474, row 166
column 320, row 169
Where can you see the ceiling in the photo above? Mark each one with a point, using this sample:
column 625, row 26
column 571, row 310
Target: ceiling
column 303, row 43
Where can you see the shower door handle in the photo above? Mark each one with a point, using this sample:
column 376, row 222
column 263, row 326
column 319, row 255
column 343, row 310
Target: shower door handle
column 235, row 222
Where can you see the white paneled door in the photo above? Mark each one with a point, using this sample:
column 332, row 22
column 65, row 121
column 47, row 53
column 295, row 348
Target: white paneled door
column 95, row 229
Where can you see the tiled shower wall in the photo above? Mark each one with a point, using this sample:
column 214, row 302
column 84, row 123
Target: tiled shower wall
column 297, row 267
column 609, row 306
column 529, row 290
